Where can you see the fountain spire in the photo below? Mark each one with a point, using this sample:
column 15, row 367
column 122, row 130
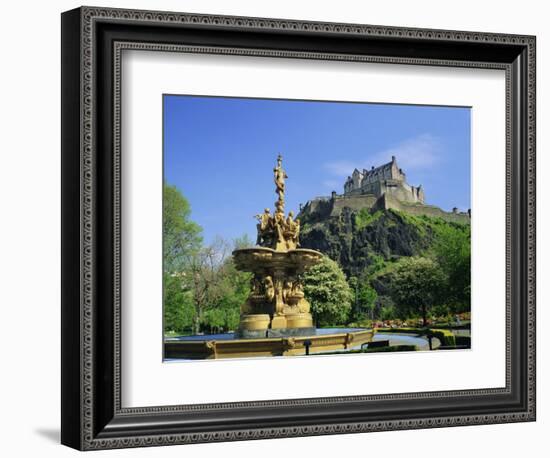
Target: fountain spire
column 279, row 179
column 278, row 231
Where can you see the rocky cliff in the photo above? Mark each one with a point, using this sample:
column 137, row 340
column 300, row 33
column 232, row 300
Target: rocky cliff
column 355, row 237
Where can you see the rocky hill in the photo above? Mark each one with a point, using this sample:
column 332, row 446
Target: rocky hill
column 355, row 237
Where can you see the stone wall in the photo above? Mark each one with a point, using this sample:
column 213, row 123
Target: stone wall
column 322, row 208
column 316, row 209
column 401, row 191
column 387, row 202
column 353, row 202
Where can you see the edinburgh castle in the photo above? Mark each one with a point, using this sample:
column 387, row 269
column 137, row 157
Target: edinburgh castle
column 381, row 188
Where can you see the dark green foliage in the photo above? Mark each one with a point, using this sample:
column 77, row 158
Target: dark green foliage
column 364, row 217
column 366, row 297
column 415, row 284
column 389, row 312
column 463, row 341
column 452, row 251
column 327, row 290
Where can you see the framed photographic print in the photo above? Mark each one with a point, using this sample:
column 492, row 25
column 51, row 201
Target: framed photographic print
column 278, row 228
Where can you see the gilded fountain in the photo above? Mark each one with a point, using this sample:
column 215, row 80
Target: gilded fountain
column 276, row 305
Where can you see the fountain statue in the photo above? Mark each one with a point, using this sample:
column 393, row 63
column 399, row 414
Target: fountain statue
column 276, row 305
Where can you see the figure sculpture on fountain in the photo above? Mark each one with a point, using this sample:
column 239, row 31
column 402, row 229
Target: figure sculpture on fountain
column 275, row 231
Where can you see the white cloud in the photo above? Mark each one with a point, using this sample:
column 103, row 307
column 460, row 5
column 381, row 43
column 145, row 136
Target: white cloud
column 421, row 152
column 417, row 153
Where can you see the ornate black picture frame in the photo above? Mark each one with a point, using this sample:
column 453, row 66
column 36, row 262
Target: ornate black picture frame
column 92, row 415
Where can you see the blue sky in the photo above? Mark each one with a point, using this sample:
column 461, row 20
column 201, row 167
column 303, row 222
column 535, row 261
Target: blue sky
column 220, row 152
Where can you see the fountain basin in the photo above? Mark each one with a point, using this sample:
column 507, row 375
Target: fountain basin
column 231, row 346
column 266, row 259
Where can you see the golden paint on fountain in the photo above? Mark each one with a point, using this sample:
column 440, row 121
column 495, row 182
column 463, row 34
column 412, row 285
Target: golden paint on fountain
column 276, row 305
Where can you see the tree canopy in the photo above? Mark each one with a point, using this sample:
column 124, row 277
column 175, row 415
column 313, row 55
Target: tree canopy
column 451, row 249
column 327, row 290
column 415, row 284
column 181, row 236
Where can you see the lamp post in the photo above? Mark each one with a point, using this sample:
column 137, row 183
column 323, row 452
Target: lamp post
column 307, row 344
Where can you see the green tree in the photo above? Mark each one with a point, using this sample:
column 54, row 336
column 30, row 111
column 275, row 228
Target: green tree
column 181, row 236
column 327, row 290
column 365, row 297
column 415, row 284
column 233, row 287
column 206, row 272
column 181, row 242
column 452, row 251
column 178, row 304
column 242, row 242
column 219, row 289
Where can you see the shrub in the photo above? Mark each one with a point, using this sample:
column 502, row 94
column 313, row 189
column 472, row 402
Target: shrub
column 463, row 341
column 364, row 217
column 446, row 337
column 327, row 290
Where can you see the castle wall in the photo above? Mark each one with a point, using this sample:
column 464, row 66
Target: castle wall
column 319, row 208
column 355, row 203
column 402, row 191
column 326, row 207
column 374, row 188
column 387, row 202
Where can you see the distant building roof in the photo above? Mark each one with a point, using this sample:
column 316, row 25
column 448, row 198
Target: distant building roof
column 380, row 168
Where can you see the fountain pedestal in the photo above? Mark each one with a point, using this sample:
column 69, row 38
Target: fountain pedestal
column 276, row 306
